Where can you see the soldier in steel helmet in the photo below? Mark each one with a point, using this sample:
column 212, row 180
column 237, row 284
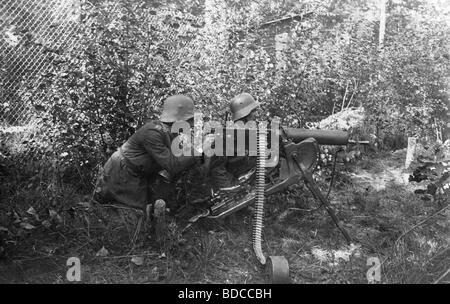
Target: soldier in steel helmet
column 129, row 172
column 223, row 170
column 244, row 107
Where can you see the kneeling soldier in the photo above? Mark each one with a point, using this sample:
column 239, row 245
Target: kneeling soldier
column 225, row 169
column 129, row 172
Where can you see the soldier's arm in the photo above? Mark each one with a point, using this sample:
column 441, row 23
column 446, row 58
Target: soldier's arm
column 155, row 146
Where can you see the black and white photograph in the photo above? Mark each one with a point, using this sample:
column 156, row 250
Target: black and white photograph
column 238, row 143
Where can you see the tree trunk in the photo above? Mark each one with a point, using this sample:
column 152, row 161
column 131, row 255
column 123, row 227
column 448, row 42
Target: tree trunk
column 382, row 24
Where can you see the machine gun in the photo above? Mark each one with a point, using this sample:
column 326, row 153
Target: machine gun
column 298, row 158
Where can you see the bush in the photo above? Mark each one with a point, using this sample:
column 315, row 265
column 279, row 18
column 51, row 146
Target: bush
column 133, row 55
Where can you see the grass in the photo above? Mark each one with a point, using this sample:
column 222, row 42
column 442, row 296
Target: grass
column 220, row 252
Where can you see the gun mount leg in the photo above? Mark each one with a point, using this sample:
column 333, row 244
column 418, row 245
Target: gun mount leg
column 312, row 186
column 277, row 270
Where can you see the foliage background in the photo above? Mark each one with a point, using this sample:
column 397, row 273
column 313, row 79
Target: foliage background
column 133, row 54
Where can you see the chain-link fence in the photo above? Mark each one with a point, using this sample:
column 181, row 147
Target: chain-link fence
column 30, row 31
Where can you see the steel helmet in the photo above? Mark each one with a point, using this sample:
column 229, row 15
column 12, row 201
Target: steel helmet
column 241, row 105
column 176, row 108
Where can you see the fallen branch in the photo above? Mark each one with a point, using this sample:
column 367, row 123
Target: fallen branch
column 420, row 223
column 128, row 256
column 442, row 276
column 305, row 210
column 120, row 207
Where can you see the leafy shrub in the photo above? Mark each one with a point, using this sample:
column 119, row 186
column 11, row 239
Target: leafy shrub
column 132, row 55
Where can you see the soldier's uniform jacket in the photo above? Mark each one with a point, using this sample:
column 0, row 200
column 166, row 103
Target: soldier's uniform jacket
column 127, row 175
